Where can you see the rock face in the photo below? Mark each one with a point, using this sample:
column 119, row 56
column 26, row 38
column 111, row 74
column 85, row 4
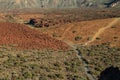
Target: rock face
column 18, row 4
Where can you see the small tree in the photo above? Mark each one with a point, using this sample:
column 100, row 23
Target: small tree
column 32, row 21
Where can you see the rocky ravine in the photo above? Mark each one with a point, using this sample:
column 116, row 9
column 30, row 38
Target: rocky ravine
column 19, row 4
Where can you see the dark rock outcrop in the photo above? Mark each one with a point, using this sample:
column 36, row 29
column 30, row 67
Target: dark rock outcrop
column 110, row 73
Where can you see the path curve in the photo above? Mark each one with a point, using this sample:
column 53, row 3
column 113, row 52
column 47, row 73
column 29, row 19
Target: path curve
column 78, row 54
column 65, row 31
column 101, row 30
column 80, row 57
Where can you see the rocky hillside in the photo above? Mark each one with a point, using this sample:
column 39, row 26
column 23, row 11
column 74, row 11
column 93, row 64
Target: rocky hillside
column 18, row 4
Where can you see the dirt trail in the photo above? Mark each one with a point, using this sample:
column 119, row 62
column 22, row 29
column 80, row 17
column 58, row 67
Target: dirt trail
column 82, row 59
column 78, row 53
column 76, row 49
column 74, row 46
column 115, row 21
column 65, row 31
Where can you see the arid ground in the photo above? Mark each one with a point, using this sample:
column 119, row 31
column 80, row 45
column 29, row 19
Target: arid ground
column 70, row 44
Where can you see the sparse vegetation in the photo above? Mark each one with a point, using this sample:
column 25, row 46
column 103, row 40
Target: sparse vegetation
column 68, row 16
column 78, row 38
column 100, row 56
column 97, row 38
column 43, row 65
column 46, row 58
column 74, row 31
column 75, row 77
column 55, row 35
column 113, row 27
column 89, row 38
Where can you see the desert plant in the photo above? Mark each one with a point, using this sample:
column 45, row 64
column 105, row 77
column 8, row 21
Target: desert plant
column 60, row 76
column 78, row 38
column 74, row 31
column 27, row 75
column 97, row 38
column 57, row 64
column 52, row 76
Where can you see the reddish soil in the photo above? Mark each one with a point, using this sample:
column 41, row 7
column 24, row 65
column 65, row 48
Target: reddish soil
column 111, row 35
column 86, row 30
column 24, row 37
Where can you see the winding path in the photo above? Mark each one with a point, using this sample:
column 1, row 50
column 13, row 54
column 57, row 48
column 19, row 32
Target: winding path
column 66, row 30
column 82, row 59
column 79, row 55
column 101, row 30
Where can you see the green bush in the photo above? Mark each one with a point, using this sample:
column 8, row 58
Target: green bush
column 74, row 77
column 71, row 69
column 78, row 38
column 42, row 78
column 74, row 31
column 52, row 76
column 27, row 75
column 67, row 63
column 89, row 38
column 59, row 76
column 57, row 64
column 113, row 27
column 97, row 38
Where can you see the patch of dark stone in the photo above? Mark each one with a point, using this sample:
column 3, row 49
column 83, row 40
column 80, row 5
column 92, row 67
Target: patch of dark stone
column 110, row 73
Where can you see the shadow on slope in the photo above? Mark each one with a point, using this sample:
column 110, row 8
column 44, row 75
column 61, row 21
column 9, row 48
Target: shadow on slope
column 110, row 73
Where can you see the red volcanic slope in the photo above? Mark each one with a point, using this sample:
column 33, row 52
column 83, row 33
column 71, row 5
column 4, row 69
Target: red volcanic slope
column 26, row 38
